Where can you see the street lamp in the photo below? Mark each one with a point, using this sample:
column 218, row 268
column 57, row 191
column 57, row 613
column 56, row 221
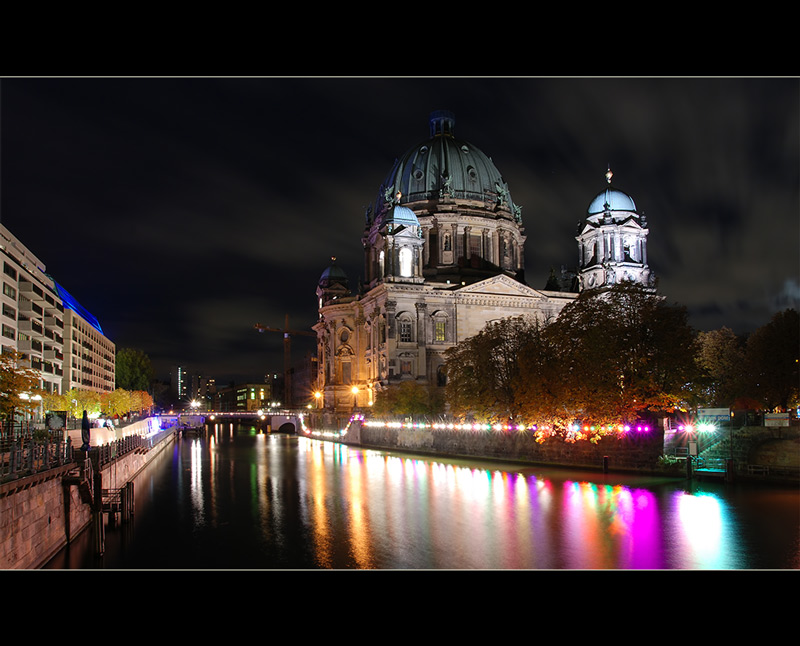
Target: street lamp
column 354, row 390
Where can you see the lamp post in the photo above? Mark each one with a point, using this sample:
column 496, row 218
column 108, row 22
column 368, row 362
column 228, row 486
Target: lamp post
column 354, row 390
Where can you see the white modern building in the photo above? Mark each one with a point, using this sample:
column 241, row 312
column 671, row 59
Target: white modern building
column 90, row 356
column 48, row 326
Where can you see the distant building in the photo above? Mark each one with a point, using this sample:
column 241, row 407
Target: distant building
column 444, row 256
column 179, row 385
column 244, row 397
column 204, row 390
column 53, row 332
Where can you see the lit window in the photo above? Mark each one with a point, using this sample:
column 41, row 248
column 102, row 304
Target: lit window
column 440, row 331
column 405, row 262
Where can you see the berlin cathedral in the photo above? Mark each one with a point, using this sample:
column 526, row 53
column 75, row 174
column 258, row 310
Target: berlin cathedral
column 443, row 257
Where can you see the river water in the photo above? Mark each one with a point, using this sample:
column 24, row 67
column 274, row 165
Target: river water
column 237, row 498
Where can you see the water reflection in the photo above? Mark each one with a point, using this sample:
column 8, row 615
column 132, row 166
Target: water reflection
column 701, row 531
column 241, row 498
column 399, row 511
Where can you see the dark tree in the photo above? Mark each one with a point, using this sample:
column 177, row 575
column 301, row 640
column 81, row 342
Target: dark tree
column 612, row 355
column 720, row 357
column 482, row 371
column 773, row 352
column 409, row 398
column 134, row 370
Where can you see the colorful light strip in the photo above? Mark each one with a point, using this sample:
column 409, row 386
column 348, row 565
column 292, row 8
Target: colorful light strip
column 575, row 428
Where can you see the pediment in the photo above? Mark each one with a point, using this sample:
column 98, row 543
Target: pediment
column 500, row 285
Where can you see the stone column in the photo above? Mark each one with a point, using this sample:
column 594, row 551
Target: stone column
column 422, row 338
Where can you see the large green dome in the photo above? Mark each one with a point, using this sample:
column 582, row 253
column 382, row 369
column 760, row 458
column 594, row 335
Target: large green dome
column 443, row 166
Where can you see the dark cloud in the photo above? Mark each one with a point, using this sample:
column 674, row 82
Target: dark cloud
column 183, row 211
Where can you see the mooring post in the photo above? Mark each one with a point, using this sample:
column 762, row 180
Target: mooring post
column 605, row 464
column 688, row 467
column 99, row 529
column 126, row 500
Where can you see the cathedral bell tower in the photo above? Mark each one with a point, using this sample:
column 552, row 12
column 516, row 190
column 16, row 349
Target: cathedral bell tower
column 393, row 247
column 612, row 242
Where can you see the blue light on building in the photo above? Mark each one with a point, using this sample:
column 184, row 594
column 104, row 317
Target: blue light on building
column 70, row 302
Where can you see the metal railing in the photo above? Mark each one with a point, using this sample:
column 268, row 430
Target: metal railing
column 22, row 456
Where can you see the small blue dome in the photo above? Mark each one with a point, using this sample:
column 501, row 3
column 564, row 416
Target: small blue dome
column 401, row 215
column 611, row 199
column 333, row 274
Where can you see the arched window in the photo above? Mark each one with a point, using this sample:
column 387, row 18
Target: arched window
column 344, row 370
column 381, row 330
column 439, row 327
column 405, row 327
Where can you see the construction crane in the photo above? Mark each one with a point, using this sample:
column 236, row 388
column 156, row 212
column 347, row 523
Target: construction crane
column 287, row 354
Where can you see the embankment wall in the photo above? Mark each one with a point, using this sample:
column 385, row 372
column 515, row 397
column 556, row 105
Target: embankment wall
column 636, row 451
column 41, row 514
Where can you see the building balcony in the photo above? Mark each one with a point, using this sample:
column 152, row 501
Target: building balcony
column 31, row 291
column 53, row 354
column 29, row 345
column 31, row 328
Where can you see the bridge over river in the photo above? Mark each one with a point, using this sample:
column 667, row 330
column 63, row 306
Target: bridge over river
column 282, row 420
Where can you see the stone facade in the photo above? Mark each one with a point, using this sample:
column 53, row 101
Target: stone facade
column 401, row 332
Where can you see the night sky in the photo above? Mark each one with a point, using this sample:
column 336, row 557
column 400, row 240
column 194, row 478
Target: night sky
column 183, row 211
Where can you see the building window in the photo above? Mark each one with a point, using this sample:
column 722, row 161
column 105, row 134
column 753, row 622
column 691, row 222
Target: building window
column 406, row 268
column 8, row 290
column 474, row 246
column 405, row 331
column 440, row 331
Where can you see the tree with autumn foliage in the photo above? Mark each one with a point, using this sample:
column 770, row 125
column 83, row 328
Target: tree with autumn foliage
column 78, row 400
column 19, row 386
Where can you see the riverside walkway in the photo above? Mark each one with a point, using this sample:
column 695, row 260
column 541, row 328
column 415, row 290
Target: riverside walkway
column 50, row 491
